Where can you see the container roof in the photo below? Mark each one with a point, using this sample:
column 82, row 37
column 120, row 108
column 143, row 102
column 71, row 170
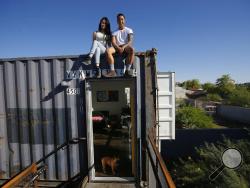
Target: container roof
column 148, row 52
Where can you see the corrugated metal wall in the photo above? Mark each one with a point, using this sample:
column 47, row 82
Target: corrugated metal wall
column 31, row 127
column 36, row 114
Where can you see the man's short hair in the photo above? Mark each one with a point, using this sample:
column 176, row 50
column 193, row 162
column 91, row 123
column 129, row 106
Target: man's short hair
column 120, row 14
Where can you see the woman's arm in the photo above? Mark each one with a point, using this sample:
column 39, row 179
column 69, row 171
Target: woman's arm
column 94, row 36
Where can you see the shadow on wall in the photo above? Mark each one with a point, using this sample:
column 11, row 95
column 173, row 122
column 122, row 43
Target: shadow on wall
column 78, row 65
column 60, row 88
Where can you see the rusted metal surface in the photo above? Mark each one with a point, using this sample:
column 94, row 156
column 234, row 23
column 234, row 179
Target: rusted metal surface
column 162, row 177
column 20, row 177
column 157, row 174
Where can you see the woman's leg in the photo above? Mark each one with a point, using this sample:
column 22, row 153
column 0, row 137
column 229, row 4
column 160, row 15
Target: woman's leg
column 101, row 49
column 97, row 56
column 109, row 54
column 93, row 48
column 110, row 58
column 97, row 61
column 95, row 45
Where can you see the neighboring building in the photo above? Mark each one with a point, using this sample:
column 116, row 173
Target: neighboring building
column 180, row 93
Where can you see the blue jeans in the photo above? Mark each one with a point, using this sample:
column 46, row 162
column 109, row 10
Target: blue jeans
column 97, row 49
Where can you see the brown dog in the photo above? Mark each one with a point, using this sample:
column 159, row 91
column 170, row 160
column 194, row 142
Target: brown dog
column 111, row 162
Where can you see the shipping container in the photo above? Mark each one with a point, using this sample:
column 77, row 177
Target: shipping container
column 48, row 101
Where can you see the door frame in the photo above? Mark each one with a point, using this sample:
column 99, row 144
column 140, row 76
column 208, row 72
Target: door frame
column 90, row 136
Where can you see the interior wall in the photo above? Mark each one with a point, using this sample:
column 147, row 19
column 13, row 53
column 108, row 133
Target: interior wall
column 115, row 107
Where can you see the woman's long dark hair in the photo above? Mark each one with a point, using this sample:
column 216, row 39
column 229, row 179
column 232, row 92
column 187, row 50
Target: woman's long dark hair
column 107, row 29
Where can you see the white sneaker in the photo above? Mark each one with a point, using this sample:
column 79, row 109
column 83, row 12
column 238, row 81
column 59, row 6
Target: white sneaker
column 87, row 61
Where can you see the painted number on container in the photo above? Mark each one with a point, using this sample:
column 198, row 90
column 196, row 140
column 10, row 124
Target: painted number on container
column 73, row 91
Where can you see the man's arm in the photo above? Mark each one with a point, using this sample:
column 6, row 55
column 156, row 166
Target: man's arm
column 130, row 41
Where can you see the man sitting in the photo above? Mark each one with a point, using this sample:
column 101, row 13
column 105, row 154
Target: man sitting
column 122, row 42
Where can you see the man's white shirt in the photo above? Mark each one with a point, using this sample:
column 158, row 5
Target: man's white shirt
column 122, row 35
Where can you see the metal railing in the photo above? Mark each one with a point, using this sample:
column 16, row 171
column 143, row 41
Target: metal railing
column 159, row 176
column 30, row 175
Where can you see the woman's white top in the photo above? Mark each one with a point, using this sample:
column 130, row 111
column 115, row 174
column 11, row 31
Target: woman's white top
column 101, row 37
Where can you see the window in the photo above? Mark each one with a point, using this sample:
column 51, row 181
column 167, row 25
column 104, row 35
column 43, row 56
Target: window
column 107, row 96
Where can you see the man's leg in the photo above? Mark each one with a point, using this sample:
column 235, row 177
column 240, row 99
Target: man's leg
column 130, row 59
column 110, row 58
column 130, row 51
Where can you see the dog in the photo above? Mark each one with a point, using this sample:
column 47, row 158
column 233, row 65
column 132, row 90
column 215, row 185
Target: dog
column 112, row 162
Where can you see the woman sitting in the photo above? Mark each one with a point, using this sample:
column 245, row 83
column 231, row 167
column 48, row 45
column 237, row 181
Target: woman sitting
column 101, row 41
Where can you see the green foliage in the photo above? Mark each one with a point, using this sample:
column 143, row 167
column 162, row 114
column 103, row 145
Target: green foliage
column 209, row 87
column 192, row 84
column 190, row 117
column 239, row 97
column 245, row 85
column 225, row 90
column 213, row 97
column 180, row 84
column 225, row 85
column 195, row 173
column 180, row 103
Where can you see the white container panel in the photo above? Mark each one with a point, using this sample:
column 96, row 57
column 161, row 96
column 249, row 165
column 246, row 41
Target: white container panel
column 165, row 112
column 165, row 129
column 166, row 105
column 165, row 100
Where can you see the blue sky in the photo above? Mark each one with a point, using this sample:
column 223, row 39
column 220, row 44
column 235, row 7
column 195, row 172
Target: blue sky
column 200, row 39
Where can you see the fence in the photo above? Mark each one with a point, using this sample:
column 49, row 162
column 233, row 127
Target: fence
column 234, row 113
column 187, row 139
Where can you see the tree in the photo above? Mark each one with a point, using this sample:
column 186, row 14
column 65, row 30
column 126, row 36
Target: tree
column 225, row 85
column 192, row 172
column 246, row 85
column 180, row 84
column 192, row 84
column 213, row 97
column 209, row 87
column 190, row 117
column 239, row 97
